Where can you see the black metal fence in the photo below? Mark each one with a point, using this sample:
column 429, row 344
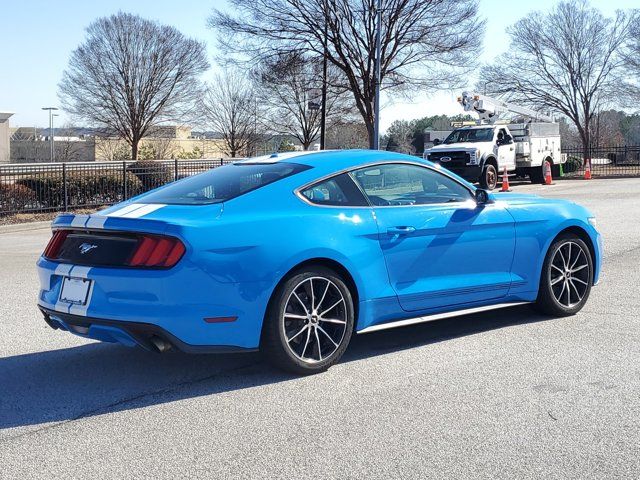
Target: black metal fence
column 606, row 162
column 35, row 188
column 51, row 187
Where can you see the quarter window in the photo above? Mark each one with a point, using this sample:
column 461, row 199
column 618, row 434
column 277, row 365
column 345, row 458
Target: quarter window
column 338, row 191
column 404, row 184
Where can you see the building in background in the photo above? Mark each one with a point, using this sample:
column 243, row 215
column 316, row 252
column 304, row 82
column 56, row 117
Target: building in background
column 76, row 144
column 5, row 136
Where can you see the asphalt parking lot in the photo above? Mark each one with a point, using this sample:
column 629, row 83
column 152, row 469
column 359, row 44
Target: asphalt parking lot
column 508, row 394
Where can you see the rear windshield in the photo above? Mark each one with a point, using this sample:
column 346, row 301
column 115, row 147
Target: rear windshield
column 223, row 183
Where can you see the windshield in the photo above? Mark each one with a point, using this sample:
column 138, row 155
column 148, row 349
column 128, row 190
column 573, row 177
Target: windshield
column 470, row 135
column 223, row 183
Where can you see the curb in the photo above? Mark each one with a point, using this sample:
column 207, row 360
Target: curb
column 25, row 227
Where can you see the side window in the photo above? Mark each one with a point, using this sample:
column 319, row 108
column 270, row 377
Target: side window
column 404, row 184
column 503, row 137
column 338, row 191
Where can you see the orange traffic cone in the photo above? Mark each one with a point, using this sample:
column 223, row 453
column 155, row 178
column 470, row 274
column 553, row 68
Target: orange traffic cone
column 587, row 169
column 505, row 181
column 547, row 173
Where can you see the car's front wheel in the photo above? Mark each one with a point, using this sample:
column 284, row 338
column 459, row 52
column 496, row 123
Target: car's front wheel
column 309, row 321
column 566, row 277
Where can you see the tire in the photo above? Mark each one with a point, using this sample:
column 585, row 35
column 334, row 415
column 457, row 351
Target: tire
column 309, row 321
column 567, row 276
column 489, row 177
column 536, row 174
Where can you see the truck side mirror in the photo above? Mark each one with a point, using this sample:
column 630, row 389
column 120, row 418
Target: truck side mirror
column 436, row 142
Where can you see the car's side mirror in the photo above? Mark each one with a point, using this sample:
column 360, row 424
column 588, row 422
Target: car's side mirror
column 436, row 142
column 482, row 197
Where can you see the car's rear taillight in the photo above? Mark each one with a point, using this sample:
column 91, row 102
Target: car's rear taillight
column 156, row 251
column 54, row 245
column 114, row 249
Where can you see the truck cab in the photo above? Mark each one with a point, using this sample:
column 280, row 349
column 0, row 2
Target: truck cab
column 476, row 153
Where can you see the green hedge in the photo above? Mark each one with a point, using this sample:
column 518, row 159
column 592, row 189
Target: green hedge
column 151, row 174
column 573, row 164
column 14, row 198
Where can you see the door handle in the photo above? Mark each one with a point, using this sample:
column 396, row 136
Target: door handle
column 405, row 230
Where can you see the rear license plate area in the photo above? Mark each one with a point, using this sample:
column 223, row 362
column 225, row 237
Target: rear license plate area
column 75, row 291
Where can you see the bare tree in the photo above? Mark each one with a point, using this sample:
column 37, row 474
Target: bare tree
column 290, row 89
column 424, row 43
column 231, row 110
column 400, row 136
column 346, row 135
column 631, row 55
column 131, row 74
column 69, row 147
column 565, row 61
column 111, row 149
column 606, row 128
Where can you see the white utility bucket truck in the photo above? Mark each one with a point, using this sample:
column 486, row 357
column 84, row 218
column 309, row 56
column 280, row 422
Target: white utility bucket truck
column 479, row 153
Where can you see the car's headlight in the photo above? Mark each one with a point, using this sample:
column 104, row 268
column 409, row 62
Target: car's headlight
column 592, row 222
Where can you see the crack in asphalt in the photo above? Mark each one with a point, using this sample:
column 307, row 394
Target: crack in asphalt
column 111, row 406
column 618, row 256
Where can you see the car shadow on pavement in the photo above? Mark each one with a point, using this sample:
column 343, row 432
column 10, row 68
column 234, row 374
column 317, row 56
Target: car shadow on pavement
column 96, row 378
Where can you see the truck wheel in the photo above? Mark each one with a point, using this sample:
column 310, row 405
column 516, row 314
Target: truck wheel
column 489, row 177
column 536, row 174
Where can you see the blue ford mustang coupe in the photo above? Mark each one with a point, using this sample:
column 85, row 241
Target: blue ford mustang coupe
column 293, row 253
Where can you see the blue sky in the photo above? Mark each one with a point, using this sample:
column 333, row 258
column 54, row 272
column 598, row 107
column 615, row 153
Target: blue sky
column 39, row 35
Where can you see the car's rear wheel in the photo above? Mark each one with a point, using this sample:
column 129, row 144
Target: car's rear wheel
column 567, row 275
column 309, row 321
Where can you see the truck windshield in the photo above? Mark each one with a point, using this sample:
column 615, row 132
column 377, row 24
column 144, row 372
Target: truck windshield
column 470, row 135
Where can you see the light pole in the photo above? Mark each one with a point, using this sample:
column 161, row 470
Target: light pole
column 376, row 119
column 53, row 139
column 50, row 109
column 323, row 112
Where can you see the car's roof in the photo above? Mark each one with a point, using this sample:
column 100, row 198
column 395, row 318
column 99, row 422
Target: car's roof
column 332, row 160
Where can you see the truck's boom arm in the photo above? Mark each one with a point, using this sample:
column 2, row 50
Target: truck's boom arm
column 489, row 109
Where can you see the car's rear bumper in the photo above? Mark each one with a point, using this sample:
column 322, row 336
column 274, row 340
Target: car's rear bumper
column 186, row 304
column 146, row 335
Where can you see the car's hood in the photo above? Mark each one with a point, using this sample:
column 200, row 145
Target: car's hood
column 529, row 199
column 460, row 146
column 523, row 198
column 527, row 207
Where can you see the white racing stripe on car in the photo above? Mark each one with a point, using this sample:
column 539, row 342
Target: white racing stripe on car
column 120, row 212
column 145, row 210
column 80, row 271
column 79, row 220
column 82, row 309
column 96, row 221
column 63, row 269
